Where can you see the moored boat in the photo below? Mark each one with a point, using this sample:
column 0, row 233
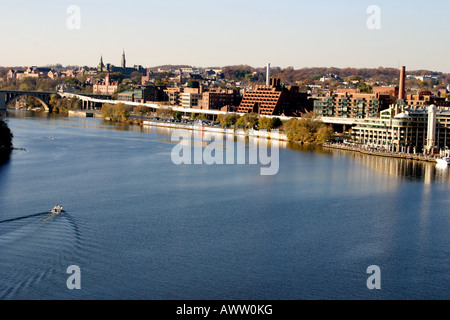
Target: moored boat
column 443, row 161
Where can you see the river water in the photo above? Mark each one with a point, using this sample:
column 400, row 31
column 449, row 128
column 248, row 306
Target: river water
column 140, row 227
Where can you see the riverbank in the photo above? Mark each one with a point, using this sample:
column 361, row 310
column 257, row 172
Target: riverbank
column 380, row 152
column 275, row 135
column 6, row 145
column 87, row 114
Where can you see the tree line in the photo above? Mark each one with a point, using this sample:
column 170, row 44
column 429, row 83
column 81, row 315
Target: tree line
column 307, row 129
column 6, row 144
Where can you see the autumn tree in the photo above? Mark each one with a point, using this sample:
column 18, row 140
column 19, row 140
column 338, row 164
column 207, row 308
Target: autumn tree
column 247, row 121
column 307, row 129
column 164, row 112
column 141, row 110
column 116, row 112
column 228, row 119
column 266, row 123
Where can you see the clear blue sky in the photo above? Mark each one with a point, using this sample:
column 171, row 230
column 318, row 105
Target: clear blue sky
column 226, row 32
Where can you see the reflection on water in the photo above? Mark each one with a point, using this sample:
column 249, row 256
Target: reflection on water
column 407, row 170
column 140, row 227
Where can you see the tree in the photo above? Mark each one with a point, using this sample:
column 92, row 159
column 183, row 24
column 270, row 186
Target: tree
column 276, row 123
column 141, row 110
column 6, row 138
column 363, row 87
column 116, row 112
column 58, row 104
column 227, row 120
column 324, row 134
column 74, row 103
column 176, row 115
column 164, row 112
column 107, row 111
column 32, row 102
column 248, row 121
column 122, row 111
column 201, row 116
column 268, row 123
column 308, row 129
column 193, row 84
column 55, row 102
column 136, row 77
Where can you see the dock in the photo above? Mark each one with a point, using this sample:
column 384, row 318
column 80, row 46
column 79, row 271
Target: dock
column 381, row 152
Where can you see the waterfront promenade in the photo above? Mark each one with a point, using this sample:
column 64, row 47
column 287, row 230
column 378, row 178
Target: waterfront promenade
column 380, row 152
column 193, row 125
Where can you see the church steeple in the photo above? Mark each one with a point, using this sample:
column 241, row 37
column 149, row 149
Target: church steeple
column 124, row 63
column 101, row 66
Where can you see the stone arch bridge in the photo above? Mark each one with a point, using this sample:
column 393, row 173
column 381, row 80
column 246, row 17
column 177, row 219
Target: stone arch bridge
column 7, row 96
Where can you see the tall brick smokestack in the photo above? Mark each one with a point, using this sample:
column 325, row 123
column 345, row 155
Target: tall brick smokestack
column 401, row 89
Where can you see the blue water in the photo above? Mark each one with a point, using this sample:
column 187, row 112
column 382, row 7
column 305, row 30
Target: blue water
column 141, row 227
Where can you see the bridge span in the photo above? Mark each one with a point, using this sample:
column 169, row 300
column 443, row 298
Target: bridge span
column 7, row 96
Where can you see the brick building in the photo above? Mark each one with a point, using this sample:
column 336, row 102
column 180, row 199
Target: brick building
column 424, row 98
column 106, row 87
column 217, row 100
column 351, row 105
column 273, row 99
column 191, row 100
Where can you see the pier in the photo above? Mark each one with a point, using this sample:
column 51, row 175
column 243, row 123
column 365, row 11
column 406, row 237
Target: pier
column 380, row 152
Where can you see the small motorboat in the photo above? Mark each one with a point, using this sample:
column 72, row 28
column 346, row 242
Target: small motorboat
column 57, row 209
column 443, row 161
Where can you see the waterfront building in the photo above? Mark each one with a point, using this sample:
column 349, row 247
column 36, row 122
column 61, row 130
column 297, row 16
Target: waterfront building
column 212, row 100
column 347, row 103
column 191, row 100
column 392, row 92
column 351, row 105
column 274, row 99
column 142, row 94
column 407, row 129
column 126, row 96
column 424, row 98
column 172, row 95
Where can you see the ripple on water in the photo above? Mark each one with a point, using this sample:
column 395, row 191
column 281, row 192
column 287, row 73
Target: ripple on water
column 36, row 247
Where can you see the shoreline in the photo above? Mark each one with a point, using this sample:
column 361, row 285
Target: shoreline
column 198, row 127
column 267, row 135
column 273, row 135
column 377, row 153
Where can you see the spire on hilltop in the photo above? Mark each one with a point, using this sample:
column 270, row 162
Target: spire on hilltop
column 123, row 64
column 101, row 66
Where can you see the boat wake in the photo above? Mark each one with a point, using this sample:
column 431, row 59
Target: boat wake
column 36, row 249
